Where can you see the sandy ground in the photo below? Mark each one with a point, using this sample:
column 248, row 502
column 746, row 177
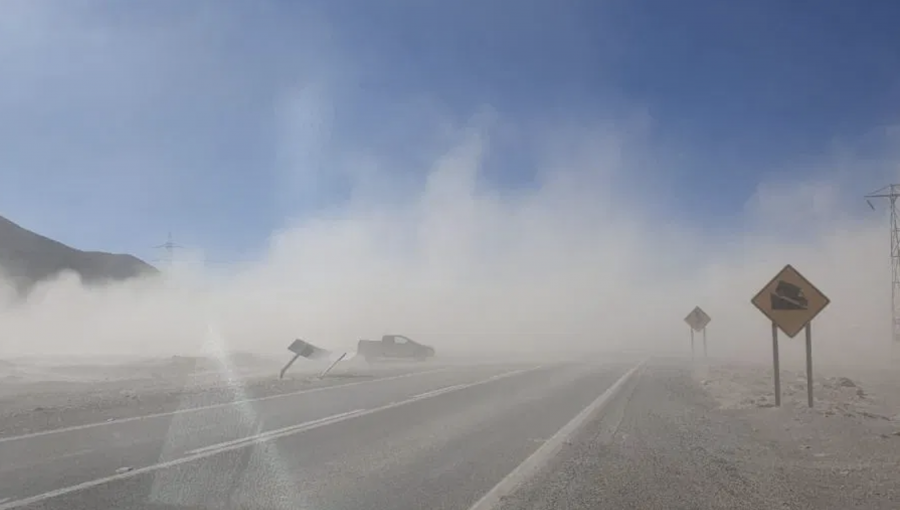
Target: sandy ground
column 861, row 395
column 851, row 435
column 43, row 379
column 687, row 438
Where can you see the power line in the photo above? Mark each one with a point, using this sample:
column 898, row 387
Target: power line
column 892, row 192
column 168, row 257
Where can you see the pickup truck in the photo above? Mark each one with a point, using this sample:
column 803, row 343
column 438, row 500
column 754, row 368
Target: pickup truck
column 393, row 346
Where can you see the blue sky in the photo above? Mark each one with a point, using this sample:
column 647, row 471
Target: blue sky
column 124, row 120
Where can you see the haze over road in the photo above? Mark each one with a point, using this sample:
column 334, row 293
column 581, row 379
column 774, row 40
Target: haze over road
column 439, row 438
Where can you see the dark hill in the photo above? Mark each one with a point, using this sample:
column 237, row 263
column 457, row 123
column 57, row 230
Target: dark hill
column 28, row 258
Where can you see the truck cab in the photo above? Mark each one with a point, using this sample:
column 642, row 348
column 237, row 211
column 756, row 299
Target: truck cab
column 395, row 347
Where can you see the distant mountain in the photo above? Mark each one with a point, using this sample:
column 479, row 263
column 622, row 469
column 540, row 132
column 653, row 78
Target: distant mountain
column 28, row 258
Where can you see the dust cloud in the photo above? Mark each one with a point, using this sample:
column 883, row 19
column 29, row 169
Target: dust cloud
column 577, row 260
column 568, row 266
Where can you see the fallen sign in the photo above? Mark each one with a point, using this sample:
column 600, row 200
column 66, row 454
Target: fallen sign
column 791, row 302
column 309, row 351
column 698, row 320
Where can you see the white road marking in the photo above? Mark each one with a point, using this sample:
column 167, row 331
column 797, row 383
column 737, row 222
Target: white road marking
column 267, row 434
column 260, row 438
column 83, row 451
column 434, row 393
column 212, row 406
column 550, row 448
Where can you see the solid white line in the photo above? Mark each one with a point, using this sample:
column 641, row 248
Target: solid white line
column 213, row 406
column 550, row 448
column 241, row 444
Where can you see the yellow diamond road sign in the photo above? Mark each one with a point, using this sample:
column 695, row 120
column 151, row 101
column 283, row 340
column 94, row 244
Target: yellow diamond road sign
column 697, row 319
column 790, row 301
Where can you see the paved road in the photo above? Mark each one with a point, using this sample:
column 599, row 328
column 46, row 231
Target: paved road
column 437, row 439
column 34, row 407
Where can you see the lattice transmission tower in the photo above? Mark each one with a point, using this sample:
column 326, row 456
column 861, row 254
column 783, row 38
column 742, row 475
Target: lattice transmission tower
column 892, row 192
column 169, row 246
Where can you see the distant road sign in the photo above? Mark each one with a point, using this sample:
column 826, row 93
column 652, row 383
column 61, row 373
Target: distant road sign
column 697, row 319
column 790, row 301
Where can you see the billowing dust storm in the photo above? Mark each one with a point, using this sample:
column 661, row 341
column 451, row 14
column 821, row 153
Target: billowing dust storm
column 589, row 255
column 571, row 266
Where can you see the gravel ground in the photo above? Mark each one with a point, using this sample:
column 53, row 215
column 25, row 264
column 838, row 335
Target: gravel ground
column 852, row 393
column 679, row 444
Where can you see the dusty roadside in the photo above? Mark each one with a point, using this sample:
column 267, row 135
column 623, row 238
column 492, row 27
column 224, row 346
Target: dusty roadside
column 710, row 440
column 34, row 406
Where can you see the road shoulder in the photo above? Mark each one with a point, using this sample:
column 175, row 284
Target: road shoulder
column 672, row 445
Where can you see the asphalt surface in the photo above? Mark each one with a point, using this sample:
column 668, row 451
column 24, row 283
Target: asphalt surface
column 438, row 439
column 33, row 408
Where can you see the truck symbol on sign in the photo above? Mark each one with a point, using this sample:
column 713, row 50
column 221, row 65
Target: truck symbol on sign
column 788, row 296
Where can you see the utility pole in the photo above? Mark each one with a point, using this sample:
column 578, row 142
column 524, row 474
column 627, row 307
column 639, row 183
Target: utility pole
column 169, row 246
column 892, row 192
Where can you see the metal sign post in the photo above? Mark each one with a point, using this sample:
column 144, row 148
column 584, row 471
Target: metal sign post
column 335, row 362
column 776, row 366
column 704, row 344
column 289, row 363
column 809, row 377
column 692, row 344
column 791, row 302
